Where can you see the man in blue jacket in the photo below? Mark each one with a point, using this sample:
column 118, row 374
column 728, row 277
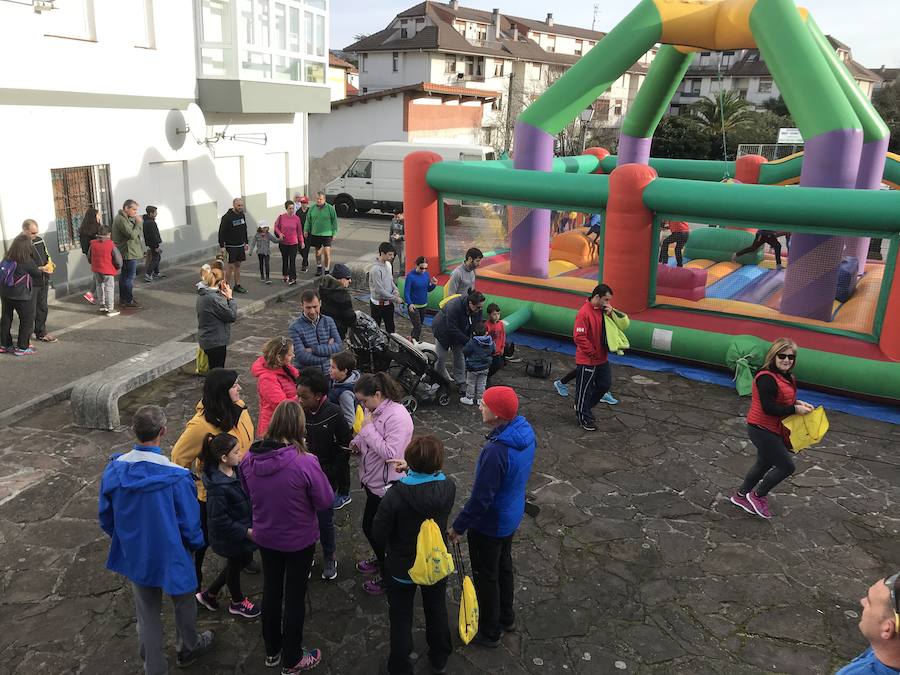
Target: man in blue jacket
column 452, row 328
column 494, row 511
column 315, row 336
column 148, row 505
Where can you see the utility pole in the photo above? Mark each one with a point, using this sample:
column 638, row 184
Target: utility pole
column 509, row 107
column 596, row 12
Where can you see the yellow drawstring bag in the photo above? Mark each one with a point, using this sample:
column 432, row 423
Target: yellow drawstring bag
column 358, row 419
column 433, row 561
column 806, row 430
column 202, row 362
column 468, row 601
column 447, row 299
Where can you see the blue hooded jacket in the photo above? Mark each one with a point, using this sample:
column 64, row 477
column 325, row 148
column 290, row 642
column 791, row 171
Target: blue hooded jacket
column 148, row 505
column 497, row 503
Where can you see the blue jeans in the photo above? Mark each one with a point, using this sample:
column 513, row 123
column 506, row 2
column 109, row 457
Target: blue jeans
column 126, row 280
column 326, row 532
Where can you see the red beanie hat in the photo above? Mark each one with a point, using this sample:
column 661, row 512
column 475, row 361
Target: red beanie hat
column 502, row 401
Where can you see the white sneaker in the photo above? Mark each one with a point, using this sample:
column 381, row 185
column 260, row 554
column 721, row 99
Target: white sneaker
column 113, row 312
column 465, row 400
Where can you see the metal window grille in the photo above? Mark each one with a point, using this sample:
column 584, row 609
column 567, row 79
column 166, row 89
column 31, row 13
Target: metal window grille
column 75, row 190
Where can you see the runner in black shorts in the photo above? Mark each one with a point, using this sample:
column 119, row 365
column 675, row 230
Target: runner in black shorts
column 233, row 239
column 320, row 227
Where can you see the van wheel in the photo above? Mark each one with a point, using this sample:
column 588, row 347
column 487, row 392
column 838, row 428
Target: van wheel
column 344, row 207
column 359, row 210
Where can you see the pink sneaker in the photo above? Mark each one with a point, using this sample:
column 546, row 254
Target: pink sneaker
column 89, row 297
column 760, row 505
column 741, row 500
column 308, row 661
column 374, row 586
column 368, row 566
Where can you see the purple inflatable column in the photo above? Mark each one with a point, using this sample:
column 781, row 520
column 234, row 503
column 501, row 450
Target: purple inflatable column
column 871, row 171
column 633, row 150
column 529, row 237
column 830, row 160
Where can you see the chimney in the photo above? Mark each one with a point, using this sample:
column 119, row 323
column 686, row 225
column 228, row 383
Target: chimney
column 454, row 4
column 495, row 24
column 549, row 21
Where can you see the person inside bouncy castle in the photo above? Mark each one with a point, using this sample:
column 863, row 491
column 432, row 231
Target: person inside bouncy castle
column 773, row 398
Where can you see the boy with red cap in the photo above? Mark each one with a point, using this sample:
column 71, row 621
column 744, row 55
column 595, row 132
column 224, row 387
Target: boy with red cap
column 494, row 510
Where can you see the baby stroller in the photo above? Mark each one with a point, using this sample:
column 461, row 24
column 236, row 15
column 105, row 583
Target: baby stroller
column 369, row 344
column 414, row 370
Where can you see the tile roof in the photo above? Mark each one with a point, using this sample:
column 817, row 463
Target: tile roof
column 558, row 28
column 887, row 74
column 337, row 62
column 421, row 87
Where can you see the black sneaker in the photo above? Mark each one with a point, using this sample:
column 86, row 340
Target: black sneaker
column 240, row 289
column 252, row 567
column 480, row 639
column 304, row 269
column 188, row 658
column 588, row 425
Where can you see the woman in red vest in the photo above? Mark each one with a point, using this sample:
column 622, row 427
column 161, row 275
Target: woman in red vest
column 774, row 397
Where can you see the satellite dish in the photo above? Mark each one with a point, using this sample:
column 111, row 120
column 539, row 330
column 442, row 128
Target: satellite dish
column 188, row 123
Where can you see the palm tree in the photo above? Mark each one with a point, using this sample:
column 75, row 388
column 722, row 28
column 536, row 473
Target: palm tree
column 724, row 113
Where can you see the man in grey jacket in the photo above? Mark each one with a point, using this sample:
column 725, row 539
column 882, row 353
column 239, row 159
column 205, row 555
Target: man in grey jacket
column 382, row 289
column 462, row 281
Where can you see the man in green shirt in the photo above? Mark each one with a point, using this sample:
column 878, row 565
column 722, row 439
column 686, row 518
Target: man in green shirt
column 127, row 230
column 320, row 228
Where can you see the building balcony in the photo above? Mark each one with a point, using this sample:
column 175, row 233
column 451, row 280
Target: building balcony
column 262, row 56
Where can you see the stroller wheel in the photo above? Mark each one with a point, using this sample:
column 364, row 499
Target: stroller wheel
column 443, row 398
column 411, row 403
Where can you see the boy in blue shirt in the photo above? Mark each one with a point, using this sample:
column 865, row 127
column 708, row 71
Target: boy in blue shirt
column 415, row 293
column 148, row 505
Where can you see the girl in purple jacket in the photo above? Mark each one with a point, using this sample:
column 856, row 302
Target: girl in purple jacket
column 386, row 432
column 287, row 488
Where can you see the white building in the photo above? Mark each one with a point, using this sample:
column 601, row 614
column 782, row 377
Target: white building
column 745, row 71
column 447, row 44
column 183, row 105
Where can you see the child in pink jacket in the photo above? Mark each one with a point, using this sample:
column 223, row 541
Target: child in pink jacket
column 276, row 379
column 380, row 443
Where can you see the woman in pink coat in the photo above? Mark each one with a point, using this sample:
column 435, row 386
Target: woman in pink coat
column 276, row 379
column 290, row 233
column 381, row 441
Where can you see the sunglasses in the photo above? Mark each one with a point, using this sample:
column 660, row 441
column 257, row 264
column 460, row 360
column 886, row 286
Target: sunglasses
column 789, row 357
column 891, row 583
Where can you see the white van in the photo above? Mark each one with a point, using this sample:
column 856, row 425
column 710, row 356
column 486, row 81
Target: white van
column 375, row 178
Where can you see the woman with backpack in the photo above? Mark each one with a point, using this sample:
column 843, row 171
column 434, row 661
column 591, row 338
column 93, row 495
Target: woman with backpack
column 221, row 410
column 423, row 493
column 384, row 435
column 276, row 379
column 229, row 522
column 287, row 488
column 18, row 273
column 87, row 232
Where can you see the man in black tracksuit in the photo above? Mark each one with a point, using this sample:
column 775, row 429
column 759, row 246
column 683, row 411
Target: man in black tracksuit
column 153, row 242
column 41, row 284
column 328, row 438
column 233, row 238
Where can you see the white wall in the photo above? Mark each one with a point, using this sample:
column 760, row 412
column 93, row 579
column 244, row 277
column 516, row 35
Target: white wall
column 115, row 63
column 412, row 68
column 358, row 124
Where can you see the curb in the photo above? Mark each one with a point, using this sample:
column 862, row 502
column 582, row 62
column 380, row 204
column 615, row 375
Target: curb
column 16, row 413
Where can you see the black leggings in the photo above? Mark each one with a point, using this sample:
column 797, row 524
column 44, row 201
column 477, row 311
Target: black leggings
column 289, row 261
column 284, row 601
column 679, row 239
column 773, row 462
column 216, row 356
column 761, row 238
column 263, row 266
column 200, row 553
column 372, row 502
column 25, row 310
column 231, row 575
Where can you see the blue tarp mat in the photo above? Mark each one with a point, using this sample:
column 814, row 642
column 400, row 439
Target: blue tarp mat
column 851, row 406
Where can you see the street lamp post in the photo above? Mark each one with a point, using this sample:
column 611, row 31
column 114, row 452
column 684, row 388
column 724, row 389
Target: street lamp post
column 586, row 116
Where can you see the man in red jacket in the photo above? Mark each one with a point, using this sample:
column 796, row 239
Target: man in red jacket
column 591, row 355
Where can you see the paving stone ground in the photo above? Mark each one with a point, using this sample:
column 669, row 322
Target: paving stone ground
column 636, row 563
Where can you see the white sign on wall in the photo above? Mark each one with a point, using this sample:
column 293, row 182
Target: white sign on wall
column 790, row 136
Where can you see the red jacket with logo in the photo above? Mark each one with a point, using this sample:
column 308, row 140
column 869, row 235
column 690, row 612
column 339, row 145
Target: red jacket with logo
column 497, row 331
column 590, row 342
column 785, row 398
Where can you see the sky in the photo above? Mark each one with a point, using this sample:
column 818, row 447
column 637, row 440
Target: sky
column 868, row 27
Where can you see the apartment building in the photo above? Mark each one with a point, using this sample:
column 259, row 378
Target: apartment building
column 448, row 44
column 183, row 105
column 745, row 71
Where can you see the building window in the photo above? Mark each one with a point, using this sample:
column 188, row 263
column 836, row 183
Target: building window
column 765, row 86
column 144, row 24
column 617, row 108
column 499, row 67
column 460, row 27
column 75, row 190
column 364, row 63
column 450, row 64
column 316, row 4
column 314, row 25
column 497, row 103
column 315, row 72
column 474, row 66
column 255, row 18
column 727, row 59
column 551, row 43
column 481, row 32
column 395, row 61
column 404, row 31
column 579, row 47
column 74, row 19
